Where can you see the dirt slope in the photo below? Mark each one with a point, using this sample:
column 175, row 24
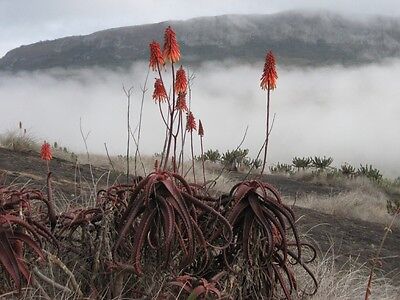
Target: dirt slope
column 350, row 237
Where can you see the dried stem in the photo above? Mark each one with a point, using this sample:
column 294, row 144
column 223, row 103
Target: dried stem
column 259, row 152
column 225, row 166
column 388, row 229
column 50, row 281
column 128, row 94
column 74, row 284
column 84, row 138
column 109, row 158
column 144, row 90
column 139, row 155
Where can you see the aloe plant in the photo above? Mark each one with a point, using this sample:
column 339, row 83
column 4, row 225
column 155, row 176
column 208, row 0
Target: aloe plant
column 281, row 169
column 370, row 172
column 347, row 170
column 322, row 163
column 212, row 155
column 233, row 159
column 301, row 163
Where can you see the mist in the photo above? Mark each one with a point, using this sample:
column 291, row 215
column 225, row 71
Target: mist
column 350, row 114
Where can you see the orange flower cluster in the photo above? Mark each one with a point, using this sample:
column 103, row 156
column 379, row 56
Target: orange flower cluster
column 171, row 51
column 201, row 129
column 45, row 152
column 181, row 102
column 156, row 56
column 181, row 81
column 269, row 76
column 190, row 122
column 159, row 93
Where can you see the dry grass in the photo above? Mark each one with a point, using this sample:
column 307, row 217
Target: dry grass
column 345, row 282
column 19, row 141
column 350, row 281
column 368, row 205
column 146, row 165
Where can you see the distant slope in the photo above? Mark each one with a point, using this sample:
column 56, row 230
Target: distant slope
column 298, row 38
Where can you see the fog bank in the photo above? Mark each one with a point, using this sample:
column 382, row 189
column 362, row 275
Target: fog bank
column 350, row 114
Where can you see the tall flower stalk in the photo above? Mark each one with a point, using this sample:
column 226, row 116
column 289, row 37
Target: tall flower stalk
column 181, row 106
column 190, row 126
column 268, row 83
column 201, row 135
column 171, row 53
column 158, row 58
column 180, row 87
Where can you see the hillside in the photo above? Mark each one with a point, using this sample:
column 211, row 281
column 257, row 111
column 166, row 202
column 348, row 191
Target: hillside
column 298, row 38
column 349, row 237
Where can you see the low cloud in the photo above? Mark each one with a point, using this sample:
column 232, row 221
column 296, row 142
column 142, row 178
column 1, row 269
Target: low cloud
column 350, row 114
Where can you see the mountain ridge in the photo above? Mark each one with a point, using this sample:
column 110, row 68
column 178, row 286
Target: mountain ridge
column 297, row 38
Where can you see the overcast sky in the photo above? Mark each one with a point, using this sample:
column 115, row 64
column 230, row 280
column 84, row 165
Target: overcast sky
column 27, row 21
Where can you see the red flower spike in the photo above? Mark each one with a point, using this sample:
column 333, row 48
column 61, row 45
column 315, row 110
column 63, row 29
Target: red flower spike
column 156, row 56
column 181, row 81
column 190, row 122
column 181, row 102
column 159, row 93
column 45, row 151
column 171, row 50
column 201, row 129
column 269, row 76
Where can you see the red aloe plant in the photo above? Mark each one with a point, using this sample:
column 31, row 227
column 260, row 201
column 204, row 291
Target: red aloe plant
column 198, row 288
column 268, row 82
column 163, row 210
column 15, row 234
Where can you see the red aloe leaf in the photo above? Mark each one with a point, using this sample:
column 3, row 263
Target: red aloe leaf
column 29, row 241
column 8, row 259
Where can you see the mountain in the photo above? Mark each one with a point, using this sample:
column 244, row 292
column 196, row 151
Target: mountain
column 297, row 38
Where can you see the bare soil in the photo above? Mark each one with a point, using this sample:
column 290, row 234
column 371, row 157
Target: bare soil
column 350, row 238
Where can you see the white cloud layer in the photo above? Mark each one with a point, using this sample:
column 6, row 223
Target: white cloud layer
column 350, row 114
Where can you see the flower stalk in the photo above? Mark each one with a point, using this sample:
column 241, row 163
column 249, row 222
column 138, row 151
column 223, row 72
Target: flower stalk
column 268, row 83
column 190, row 126
column 201, row 135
